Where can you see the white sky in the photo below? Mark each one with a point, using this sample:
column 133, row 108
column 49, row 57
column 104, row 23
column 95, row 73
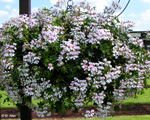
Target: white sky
column 138, row 11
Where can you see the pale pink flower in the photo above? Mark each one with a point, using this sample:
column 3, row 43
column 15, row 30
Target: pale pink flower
column 50, row 64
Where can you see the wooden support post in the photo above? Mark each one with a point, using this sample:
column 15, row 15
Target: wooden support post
column 0, row 105
column 25, row 111
column 25, row 7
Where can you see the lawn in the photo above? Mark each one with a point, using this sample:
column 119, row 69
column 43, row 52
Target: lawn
column 141, row 117
column 148, row 81
column 140, row 99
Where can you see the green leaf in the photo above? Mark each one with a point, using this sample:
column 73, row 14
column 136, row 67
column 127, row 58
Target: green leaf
column 6, row 100
column 53, row 58
column 64, row 69
column 118, row 20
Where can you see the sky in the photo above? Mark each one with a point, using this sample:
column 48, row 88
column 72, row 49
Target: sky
column 138, row 11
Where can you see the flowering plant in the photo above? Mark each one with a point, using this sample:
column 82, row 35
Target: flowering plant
column 66, row 61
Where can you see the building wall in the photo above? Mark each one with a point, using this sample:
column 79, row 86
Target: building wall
column 142, row 35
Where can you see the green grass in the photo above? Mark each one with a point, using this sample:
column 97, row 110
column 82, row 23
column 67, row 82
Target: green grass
column 140, row 117
column 148, row 80
column 140, row 99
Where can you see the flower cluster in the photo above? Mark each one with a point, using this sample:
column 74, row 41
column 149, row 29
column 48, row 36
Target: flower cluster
column 104, row 111
column 99, row 98
column 50, row 33
column 79, row 89
column 96, row 75
column 118, row 94
column 121, row 49
column 89, row 114
column 99, row 34
column 35, row 44
column 31, row 58
column 9, row 52
column 136, row 41
column 69, row 50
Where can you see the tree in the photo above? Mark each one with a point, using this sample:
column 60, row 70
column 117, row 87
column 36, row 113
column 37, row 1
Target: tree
column 65, row 62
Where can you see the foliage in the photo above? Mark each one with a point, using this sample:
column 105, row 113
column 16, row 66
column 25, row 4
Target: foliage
column 66, row 60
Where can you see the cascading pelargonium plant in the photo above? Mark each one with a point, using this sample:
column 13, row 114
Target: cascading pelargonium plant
column 65, row 63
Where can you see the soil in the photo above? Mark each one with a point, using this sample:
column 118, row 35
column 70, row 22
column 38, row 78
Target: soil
column 140, row 109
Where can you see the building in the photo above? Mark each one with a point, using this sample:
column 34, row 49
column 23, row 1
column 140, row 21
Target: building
column 142, row 35
column 1, row 30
